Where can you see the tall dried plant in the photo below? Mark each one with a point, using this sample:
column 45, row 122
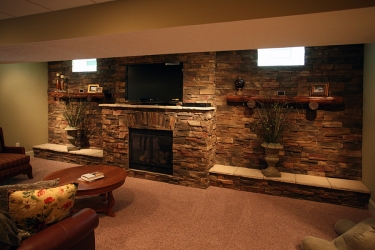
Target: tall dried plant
column 273, row 119
column 74, row 112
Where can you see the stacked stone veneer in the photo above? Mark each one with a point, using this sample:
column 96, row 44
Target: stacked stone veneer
column 66, row 157
column 74, row 82
column 291, row 190
column 193, row 140
column 326, row 142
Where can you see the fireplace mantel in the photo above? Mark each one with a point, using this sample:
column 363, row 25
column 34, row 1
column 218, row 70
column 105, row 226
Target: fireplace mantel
column 177, row 108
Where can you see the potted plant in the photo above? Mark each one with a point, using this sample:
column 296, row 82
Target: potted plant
column 74, row 114
column 271, row 126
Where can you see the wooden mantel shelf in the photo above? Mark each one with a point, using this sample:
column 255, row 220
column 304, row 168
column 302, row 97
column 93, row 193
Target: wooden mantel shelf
column 321, row 100
column 64, row 95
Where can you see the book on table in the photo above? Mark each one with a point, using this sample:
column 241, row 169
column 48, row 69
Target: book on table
column 92, row 176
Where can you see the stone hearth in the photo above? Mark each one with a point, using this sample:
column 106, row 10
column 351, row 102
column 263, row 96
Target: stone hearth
column 344, row 192
column 194, row 138
column 56, row 152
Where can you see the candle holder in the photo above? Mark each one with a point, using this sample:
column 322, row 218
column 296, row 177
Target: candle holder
column 62, row 86
column 58, row 86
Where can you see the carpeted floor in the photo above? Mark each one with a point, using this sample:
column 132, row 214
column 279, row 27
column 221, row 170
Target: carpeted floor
column 155, row 215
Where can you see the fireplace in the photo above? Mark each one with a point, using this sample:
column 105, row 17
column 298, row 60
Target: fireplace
column 151, row 150
column 185, row 138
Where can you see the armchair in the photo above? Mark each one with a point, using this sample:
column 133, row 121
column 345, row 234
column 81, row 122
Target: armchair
column 13, row 161
column 74, row 232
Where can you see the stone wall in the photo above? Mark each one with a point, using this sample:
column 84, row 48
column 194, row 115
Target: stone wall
column 325, row 143
column 105, row 77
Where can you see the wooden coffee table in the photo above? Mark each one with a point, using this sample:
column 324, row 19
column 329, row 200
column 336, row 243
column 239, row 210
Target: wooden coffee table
column 97, row 194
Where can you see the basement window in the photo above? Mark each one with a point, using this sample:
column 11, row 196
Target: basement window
column 84, row 65
column 291, row 56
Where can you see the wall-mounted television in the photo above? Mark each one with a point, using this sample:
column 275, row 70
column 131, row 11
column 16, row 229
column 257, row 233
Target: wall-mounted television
column 156, row 83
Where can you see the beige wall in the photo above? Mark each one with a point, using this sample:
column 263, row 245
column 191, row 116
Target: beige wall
column 23, row 103
column 368, row 159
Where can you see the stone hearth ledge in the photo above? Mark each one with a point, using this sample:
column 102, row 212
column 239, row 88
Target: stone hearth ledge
column 308, row 180
column 63, row 148
column 119, row 105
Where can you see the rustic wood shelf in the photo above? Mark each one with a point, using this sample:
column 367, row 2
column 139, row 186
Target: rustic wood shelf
column 64, row 95
column 321, row 100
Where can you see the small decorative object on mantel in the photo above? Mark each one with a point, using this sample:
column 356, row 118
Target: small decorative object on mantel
column 239, row 84
column 319, row 89
column 62, row 87
column 92, row 88
column 57, row 82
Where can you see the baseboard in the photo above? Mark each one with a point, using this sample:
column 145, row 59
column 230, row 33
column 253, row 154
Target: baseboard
column 31, row 153
column 371, row 207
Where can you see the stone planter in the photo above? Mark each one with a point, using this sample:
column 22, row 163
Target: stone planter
column 271, row 157
column 72, row 133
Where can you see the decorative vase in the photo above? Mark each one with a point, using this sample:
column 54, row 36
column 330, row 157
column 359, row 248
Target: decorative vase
column 72, row 136
column 271, row 157
column 239, row 84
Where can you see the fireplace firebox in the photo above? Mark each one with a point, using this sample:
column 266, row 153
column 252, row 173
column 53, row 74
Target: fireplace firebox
column 151, row 150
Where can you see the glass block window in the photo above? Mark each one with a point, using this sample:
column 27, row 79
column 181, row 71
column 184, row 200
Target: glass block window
column 291, row 56
column 84, row 65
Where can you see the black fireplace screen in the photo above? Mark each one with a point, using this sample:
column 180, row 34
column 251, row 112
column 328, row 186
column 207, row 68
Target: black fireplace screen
column 151, row 150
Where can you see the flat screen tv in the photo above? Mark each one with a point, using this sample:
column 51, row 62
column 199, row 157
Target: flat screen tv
column 157, row 83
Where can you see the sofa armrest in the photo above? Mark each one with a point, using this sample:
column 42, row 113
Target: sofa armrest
column 314, row 243
column 77, row 229
column 13, row 150
column 343, row 225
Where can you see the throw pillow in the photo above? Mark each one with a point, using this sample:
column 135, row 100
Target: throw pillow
column 37, row 185
column 35, row 209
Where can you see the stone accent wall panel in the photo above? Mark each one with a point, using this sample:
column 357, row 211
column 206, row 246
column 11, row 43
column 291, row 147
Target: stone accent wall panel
column 316, row 142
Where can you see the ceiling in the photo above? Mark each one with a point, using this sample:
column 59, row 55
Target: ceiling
column 344, row 26
column 18, row 8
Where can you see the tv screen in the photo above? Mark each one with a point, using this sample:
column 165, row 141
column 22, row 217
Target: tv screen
column 159, row 83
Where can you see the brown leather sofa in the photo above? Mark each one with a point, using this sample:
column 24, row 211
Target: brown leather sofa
column 74, row 232
column 13, row 161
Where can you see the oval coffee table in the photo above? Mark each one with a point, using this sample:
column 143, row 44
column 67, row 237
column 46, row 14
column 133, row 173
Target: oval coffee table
column 114, row 177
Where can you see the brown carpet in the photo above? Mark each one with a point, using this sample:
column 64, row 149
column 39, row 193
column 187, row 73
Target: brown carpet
column 154, row 215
